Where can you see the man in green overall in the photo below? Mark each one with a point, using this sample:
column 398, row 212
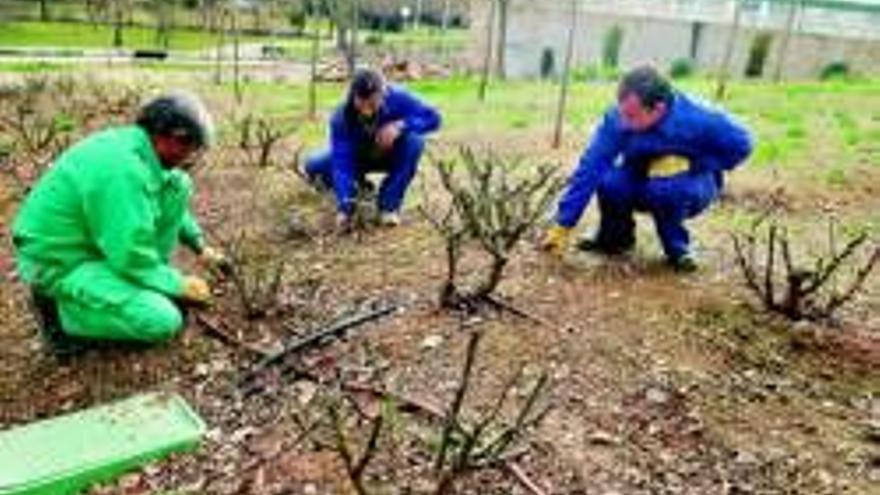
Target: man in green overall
column 94, row 237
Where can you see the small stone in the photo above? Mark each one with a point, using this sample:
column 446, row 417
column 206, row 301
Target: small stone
column 305, row 392
column 746, row 458
column 310, row 489
column 872, row 431
column 431, row 342
column 824, row 478
column 656, row 396
column 601, row 437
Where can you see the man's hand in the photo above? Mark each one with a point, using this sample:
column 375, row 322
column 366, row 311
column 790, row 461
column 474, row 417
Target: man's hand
column 196, row 289
column 343, row 223
column 556, row 240
column 388, row 134
column 214, row 259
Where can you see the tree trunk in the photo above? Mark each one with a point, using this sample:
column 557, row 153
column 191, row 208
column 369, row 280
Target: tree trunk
column 355, row 32
column 417, row 16
column 566, row 77
column 444, row 31
column 724, row 72
column 500, row 59
column 487, row 62
column 313, row 79
column 488, row 286
column 118, row 22
column 163, row 21
column 786, row 37
column 44, row 10
column 218, row 19
column 236, row 56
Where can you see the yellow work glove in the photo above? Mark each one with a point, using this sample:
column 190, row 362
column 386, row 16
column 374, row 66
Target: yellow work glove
column 196, row 289
column 667, row 166
column 215, row 259
column 556, row 239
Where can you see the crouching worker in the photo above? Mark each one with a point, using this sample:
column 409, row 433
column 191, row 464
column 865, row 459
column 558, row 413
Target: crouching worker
column 379, row 129
column 657, row 151
column 95, row 236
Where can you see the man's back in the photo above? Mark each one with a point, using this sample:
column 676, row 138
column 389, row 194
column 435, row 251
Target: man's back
column 53, row 228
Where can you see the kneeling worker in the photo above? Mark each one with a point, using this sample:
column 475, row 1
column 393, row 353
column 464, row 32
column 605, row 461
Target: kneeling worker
column 378, row 129
column 657, row 151
column 95, row 236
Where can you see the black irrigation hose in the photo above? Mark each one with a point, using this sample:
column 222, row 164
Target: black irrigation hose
column 314, row 339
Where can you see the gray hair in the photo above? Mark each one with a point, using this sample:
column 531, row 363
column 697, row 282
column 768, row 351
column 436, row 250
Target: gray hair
column 178, row 114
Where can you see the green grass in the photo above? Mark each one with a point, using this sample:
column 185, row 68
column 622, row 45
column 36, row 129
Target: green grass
column 795, row 128
column 81, row 35
column 33, row 67
column 72, row 35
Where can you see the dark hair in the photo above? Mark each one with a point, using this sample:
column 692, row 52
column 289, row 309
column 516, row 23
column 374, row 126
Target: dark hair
column 177, row 114
column 646, row 83
column 366, row 83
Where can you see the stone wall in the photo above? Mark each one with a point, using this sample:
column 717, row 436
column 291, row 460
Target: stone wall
column 535, row 26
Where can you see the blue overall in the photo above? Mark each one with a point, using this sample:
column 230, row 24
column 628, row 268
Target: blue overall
column 615, row 166
column 353, row 151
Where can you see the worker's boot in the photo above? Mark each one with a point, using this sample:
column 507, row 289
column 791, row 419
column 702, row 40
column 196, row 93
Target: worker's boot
column 685, row 263
column 45, row 310
column 599, row 245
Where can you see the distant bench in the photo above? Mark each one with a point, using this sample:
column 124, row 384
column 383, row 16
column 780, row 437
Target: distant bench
column 150, row 54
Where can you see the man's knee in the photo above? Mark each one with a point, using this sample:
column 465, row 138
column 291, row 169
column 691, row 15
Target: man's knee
column 155, row 318
column 683, row 197
column 663, row 195
column 318, row 163
column 411, row 145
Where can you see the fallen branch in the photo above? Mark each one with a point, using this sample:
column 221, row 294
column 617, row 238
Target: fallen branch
column 503, row 305
column 520, row 476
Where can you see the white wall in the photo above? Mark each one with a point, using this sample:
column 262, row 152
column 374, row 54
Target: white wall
column 536, row 25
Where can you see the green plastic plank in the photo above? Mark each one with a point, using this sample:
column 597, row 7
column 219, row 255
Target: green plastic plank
column 63, row 455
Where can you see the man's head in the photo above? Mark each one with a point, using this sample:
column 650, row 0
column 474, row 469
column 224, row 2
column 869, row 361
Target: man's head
column 367, row 92
column 643, row 98
column 179, row 127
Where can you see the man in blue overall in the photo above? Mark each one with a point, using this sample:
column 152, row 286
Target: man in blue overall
column 657, row 151
column 379, row 128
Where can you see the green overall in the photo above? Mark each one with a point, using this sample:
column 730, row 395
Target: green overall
column 97, row 233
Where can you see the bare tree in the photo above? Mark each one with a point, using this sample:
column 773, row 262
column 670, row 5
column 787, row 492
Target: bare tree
column 793, row 9
column 487, row 60
column 488, row 441
column 345, row 15
column 256, row 281
column 355, row 463
column 444, row 30
column 44, row 10
column 806, row 293
column 500, row 58
column 724, row 70
column 313, row 73
column 39, row 127
column 236, row 54
column 494, row 202
column 117, row 10
column 566, row 77
column 258, row 137
column 164, row 11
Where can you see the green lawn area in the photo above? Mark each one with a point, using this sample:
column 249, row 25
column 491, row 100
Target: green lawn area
column 84, row 35
column 819, row 126
column 81, row 35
